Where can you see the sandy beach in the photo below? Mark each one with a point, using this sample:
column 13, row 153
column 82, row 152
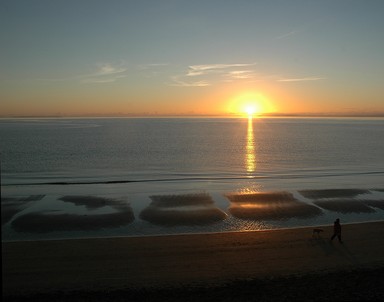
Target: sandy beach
column 146, row 264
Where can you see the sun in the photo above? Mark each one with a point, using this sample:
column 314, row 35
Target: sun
column 249, row 104
column 252, row 109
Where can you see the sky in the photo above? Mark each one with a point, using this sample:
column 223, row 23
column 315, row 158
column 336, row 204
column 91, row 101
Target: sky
column 169, row 57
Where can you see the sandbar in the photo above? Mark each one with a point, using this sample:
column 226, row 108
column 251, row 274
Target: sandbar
column 270, row 205
column 50, row 221
column 186, row 209
column 346, row 206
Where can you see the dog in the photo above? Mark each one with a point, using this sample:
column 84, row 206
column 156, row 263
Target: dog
column 317, row 232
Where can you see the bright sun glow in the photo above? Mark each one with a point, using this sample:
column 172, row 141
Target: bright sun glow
column 252, row 109
column 250, row 105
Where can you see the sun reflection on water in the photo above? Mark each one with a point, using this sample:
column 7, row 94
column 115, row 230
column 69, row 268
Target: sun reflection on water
column 250, row 156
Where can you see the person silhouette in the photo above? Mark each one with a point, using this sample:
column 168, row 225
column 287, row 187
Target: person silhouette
column 336, row 230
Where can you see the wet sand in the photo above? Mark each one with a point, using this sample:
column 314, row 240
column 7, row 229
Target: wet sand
column 204, row 264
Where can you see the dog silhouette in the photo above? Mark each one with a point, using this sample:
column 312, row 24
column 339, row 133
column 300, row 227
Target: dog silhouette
column 316, row 232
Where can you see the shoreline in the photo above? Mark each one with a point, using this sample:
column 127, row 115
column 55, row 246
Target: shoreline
column 185, row 261
column 191, row 233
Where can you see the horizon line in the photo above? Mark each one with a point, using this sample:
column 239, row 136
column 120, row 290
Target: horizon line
column 148, row 115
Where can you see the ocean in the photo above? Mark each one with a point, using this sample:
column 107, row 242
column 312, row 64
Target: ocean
column 101, row 177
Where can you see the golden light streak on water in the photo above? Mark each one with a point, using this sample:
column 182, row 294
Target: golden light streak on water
column 250, row 156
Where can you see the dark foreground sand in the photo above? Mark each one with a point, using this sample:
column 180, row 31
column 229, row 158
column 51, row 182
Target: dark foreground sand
column 281, row 265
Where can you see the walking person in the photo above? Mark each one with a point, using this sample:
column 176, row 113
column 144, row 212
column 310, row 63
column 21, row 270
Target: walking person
column 336, row 230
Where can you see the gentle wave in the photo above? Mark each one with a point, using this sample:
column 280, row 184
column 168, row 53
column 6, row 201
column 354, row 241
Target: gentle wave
column 199, row 178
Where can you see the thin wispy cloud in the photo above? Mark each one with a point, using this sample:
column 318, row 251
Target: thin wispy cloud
column 197, row 70
column 107, row 69
column 288, row 34
column 103, row 79
column 210, row 74
column 151, row 65
column 241, row 74
column 301, row 79
column 105, row 73
column 180, row 82
column 150, row 70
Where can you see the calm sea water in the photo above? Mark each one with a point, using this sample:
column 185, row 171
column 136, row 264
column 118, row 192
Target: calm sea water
column 139, row 157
